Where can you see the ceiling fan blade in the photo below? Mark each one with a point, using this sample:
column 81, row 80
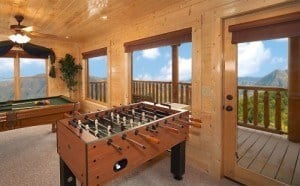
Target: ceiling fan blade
column 38, row 34
column 29, row 29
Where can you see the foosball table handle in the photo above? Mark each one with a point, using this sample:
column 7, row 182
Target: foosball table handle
column 195, row 122
column 152, row 139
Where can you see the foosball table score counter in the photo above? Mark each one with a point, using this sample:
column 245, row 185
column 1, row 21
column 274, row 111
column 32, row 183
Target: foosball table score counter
column 98, row 147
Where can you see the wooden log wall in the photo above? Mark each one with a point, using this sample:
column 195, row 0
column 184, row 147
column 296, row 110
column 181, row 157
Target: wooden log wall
column 205, row 146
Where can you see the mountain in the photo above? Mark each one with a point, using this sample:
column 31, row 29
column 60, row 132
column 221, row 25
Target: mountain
column 96, row 79
column 248, row 80
column 6, row 89
column 30, row 87
column 277, row 78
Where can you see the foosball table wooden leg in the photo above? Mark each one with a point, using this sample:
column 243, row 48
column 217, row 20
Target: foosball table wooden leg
column 178, row 160
column 67, row 178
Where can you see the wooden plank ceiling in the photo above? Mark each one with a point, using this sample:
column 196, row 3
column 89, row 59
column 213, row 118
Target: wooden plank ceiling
column 78, row 19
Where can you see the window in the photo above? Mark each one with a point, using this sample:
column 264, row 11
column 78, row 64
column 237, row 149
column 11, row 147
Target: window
column 22, row 78
column 152, row 64
column 7, row 79
column 33, row 80
column 97, row 78
column 152, row 74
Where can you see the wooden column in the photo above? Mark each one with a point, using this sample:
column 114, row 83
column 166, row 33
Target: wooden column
column 17, row 81
column 294, row 90
column 175, row 73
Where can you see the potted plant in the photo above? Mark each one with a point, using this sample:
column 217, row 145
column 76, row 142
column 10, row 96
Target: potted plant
column 69, row 70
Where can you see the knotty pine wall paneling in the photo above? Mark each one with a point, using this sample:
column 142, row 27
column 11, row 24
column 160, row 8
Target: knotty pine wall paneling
column 205, row 145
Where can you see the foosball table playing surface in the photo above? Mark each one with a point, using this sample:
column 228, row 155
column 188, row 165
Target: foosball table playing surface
column 98, row 147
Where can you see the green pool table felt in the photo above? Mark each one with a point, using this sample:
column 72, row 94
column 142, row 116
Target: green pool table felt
column 28, row 103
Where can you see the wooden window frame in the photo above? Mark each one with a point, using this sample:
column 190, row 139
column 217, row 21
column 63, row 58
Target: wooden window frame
column 86, row 56
column 172, row 39
column 287, row 25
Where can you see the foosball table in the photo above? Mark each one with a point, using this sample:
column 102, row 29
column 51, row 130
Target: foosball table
column 98, row 147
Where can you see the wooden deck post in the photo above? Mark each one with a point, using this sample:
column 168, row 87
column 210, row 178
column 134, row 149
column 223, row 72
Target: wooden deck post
column 294, row 90
column 175, row 73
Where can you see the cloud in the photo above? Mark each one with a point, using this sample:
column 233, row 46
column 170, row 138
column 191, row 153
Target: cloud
column 151, row 53
column 29, row 61
column 144, row 77
column 185, row 70
column 281, row 40
column 276, row 60
column 250, row 57
column 165, row 73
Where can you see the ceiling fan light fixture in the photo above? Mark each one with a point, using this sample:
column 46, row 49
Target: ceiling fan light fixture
column 19, row 38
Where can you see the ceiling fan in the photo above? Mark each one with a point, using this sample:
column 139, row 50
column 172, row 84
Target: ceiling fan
column 21, row 32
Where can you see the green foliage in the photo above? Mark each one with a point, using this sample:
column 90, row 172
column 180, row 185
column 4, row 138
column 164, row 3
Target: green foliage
column 69, row 70
column 272, row 100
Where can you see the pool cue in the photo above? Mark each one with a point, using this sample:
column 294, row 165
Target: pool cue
column 16, row 104
column 28, row 107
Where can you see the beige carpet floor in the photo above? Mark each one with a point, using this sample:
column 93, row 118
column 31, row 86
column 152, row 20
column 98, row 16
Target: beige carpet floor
column 28, row 157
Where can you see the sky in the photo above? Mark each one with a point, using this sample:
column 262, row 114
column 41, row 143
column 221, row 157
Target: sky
column 155, row 63
column 28, row 67
column 98, row 66
column 259, row 58
column 255, row 59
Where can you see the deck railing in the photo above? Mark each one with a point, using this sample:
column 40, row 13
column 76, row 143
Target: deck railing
column 263, row 102
column 161, row 91
column 97, row 90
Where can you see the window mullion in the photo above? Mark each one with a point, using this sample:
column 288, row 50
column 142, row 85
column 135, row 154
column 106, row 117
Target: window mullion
column 17, row 84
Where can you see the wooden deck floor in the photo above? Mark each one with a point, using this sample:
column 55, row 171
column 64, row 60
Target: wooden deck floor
column 269, row 154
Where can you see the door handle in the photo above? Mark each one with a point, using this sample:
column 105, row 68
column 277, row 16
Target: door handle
column 229, row 97
column 229, row 108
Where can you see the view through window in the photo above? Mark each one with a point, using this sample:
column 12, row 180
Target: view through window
column 263, row 78
column 97, row 78
column 7, row 79
column 33, row 78
column 152, row 73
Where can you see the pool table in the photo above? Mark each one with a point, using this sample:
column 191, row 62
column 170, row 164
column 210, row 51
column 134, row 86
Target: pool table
column 31, row 112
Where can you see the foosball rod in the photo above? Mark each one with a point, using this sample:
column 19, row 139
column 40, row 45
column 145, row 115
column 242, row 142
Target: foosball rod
column 110, row 142
column 152, row 112
column 99, row 124
column 147, row 137
column 121, row 125
column 162, row 113
column 108, row 120
column 171, row 129
column 123, row 121
column 89, row 129
column 173, row 122
column 124, row 137
column 146, row 115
